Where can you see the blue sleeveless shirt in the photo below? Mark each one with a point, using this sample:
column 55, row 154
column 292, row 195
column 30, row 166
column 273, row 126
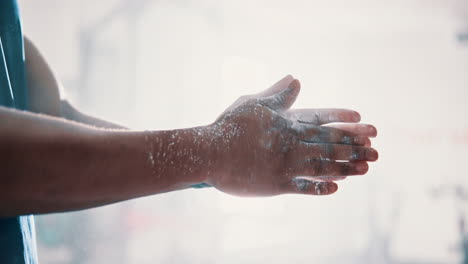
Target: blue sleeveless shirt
column 17, row 235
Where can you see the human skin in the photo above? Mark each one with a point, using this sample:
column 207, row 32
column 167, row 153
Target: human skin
column 257, row 147
column 265, row 146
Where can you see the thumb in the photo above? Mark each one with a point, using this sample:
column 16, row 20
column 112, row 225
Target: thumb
column 277, row 87
column 285, row 98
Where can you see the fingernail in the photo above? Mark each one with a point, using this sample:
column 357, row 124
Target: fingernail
column 372, row 154
column 362, row 167
column 294, row 84
column 373, row 130
column 332, row 188
column 367, row 142
column 357, row 116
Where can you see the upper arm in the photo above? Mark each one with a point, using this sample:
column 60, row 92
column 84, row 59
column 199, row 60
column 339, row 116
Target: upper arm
column 43, row 86
column 44, row 91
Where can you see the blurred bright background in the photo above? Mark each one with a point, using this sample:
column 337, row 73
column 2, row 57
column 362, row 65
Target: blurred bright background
column 164, row 64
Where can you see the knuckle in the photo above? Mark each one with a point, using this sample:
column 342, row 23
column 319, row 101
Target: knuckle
column 301, row 185
column 288, row 153
column 241, row 99
column 288, row 171
column 356, row 153
column 321, row 188
column 330, row 151
column 253, row 101
column 346, row 168
column 324, row 134
column 317, row 118
column 348, row 140
column 244, row 98
column 319, row 168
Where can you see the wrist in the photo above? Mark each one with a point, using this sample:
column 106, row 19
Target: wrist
column 188, row 155
column 207, row 139
column 220, row 140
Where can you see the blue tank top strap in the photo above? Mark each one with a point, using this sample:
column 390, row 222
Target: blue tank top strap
column 13, row 54
column 6, row 92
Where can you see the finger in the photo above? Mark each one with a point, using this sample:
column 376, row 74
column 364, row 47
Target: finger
column 367, row 142
column 302, row 186
column 328, row 168
column 324, row 116
column 322, row 134
column 312, row 151
column 358, row 129
column 284, row 99
column 277, row 87
column 324, row 178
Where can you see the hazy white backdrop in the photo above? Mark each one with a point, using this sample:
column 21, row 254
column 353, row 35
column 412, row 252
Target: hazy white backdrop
column 163, row 64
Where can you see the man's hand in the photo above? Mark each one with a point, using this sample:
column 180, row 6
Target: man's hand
column 266, row 149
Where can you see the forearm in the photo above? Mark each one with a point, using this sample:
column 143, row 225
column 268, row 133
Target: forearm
column 50, row 165
column 71, row 113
